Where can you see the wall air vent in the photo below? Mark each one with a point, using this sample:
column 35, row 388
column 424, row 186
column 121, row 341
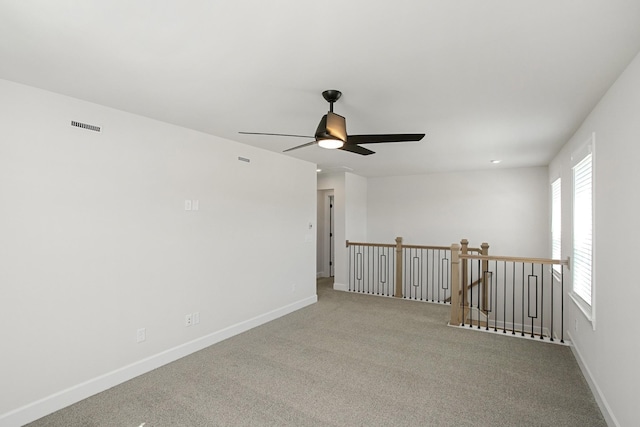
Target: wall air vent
column 85, row 126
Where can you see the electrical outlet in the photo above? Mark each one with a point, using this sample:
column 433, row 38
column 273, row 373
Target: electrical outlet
column 196, row 317
column 188, row 320
column 293, row 287
column 141, row 335
column 187, row 205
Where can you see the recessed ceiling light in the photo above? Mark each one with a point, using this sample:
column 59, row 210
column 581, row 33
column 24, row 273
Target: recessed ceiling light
column 495, row 162
column 318, row 170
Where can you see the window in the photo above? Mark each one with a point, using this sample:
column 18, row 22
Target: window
column 583, row 231
column 556, row 223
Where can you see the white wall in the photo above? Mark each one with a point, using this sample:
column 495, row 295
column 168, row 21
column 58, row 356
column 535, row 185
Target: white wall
column 608, row 354
column 507, row 208
column 356, row 209
column 96, row 243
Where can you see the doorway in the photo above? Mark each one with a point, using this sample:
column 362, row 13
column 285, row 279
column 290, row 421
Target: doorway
column 331, row 237
column 326, row 234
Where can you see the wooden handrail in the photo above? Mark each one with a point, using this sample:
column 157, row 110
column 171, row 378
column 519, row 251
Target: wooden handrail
column 515, row 259
column 447, row 248
column 476, row 283
column 375, row 245
column 470, row 286
column 388, row 245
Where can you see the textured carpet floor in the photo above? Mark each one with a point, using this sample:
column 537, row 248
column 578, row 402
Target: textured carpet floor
column 353, row 360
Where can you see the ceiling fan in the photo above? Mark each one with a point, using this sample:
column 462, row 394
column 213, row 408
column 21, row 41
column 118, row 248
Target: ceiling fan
column 332, row 132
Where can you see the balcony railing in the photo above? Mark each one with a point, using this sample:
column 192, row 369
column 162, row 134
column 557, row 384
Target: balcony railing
column 519, row 296
column 415, row 272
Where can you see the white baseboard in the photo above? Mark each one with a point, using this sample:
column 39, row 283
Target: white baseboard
column 340, row 287
column 593, row 385
column 71, row 395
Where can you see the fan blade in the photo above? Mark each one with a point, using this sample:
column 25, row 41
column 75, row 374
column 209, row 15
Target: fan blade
column 375, row 139
column 357, row 149
column 300, row 146
column 275, row 134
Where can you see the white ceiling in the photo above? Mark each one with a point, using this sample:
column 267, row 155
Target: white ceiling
column 484, row 79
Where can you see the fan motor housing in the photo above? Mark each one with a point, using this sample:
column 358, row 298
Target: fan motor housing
column 332, row 126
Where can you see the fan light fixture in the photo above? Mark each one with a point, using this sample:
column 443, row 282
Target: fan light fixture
column 331, row 144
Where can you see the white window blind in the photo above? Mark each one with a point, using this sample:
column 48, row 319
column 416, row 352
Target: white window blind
column 556, row 222
column 582, row 228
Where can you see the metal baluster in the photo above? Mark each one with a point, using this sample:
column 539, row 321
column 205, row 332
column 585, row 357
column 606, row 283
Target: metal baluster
column 562, row 304
column 369, row 250
column 529, row 298
column 390, row 273
column 471, row 298
column 404, row 276
column 552, row 306
column 439, row 278
column 422, row 284
column 513, row 302
column 495, row 294
column 350, row 252
column 371, row 270
column 424, row 294
column 504, row 298
column 381, row 274
column 433, row 271
column 542, row 301
column 522, row 324
column 408, row 260
column 361, row 269
column 355, row 268
column 375, row 267
column 480, row 295
column 356, row 256
column 444, row 268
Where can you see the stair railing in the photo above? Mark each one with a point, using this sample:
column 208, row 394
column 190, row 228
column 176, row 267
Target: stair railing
column 524, row 296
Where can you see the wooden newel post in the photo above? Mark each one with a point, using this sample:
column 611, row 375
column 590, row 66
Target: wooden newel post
column 455, row 285
column 485, row 268
column 485, row 248
column 398, row 292
column 464, row 249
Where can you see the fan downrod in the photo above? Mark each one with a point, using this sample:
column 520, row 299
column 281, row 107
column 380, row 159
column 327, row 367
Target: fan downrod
column 331, row 96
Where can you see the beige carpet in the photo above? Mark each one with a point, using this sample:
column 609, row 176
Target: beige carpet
column 353, row 360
